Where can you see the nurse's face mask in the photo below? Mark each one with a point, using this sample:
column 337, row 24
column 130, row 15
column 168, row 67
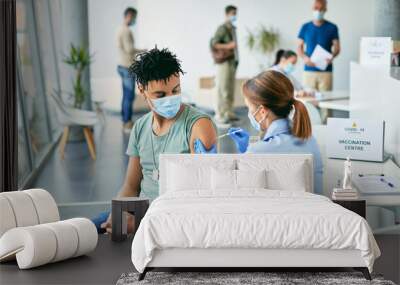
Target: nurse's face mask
column 253, row 121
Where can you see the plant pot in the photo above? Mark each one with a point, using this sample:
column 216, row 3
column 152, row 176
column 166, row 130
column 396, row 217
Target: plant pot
column 76, row 134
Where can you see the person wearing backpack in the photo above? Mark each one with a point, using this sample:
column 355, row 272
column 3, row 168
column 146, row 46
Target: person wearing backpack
column 225, row 54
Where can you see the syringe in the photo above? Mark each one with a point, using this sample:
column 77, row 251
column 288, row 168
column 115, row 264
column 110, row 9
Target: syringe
column 228, row 133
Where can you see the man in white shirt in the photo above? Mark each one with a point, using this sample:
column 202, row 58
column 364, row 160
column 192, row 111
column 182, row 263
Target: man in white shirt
column 127, row 53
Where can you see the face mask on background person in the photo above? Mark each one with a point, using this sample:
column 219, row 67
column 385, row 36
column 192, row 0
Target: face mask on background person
column 289, row 68
column 233, row 19
column 132, row 22
column 167, row 106
column 318, row 15
column 256, row 125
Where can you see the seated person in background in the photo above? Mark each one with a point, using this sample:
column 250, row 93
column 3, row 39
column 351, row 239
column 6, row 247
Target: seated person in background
column 285, row 61
column 170, row 126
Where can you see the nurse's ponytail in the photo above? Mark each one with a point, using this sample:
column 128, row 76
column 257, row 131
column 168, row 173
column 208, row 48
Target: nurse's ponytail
column 301, row 121
column 274, row 90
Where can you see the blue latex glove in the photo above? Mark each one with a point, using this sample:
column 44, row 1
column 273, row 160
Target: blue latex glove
column 200, row 148
column 240, row 137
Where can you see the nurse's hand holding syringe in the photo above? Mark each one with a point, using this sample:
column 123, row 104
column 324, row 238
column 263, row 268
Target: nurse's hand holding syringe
column 228, row 134
column 241, row 138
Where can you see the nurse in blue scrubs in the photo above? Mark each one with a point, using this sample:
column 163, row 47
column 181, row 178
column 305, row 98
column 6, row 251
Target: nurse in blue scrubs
column 270, row 99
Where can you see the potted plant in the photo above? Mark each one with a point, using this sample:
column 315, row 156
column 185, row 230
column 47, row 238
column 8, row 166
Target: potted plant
column 79, row 58
column 264, row 41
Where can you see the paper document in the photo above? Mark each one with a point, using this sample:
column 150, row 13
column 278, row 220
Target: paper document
column 320, row 56
column 377, row 185
column 375, row 50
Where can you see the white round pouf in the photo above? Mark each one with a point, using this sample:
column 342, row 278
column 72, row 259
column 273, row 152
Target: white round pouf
column 33, row 246
column 23, row 208
column 45, row 205
column 40, row 244
column 7, row 218
column 87, row 234
column 67, row 240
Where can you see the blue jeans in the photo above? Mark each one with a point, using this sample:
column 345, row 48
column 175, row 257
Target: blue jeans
column 128, row 93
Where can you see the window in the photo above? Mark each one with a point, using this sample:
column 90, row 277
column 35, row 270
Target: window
column 37, row 79
column 24, row 162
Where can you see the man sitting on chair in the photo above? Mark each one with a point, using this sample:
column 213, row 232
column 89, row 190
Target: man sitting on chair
column 170, row 126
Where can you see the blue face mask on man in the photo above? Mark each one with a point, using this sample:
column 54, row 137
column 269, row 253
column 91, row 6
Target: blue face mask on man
column 233, row 19
column 167, row 106
column 318, row 15
column 132, row 23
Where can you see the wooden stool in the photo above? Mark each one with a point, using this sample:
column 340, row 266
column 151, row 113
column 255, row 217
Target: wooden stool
column 88, row 137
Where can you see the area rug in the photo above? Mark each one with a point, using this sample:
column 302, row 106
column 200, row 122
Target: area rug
column 244, row 278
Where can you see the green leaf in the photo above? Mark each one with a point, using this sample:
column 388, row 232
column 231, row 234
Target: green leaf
column 265, row 40
column 78, row 58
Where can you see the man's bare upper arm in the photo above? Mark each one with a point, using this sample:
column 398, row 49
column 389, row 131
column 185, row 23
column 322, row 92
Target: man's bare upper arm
column 204, row 130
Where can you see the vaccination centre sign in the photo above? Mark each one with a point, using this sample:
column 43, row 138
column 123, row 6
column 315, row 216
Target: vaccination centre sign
column 355, row 138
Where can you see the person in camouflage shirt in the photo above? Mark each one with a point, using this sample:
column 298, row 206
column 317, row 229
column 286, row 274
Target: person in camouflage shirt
column 225, row 38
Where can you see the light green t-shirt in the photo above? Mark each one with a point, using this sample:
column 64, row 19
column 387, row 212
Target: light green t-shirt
column 175, row 141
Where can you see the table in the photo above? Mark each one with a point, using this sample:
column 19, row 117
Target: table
column 340, row 105
column 122, row 205
column 336, row 103
column 102, row 266
column 327, row 96
column 336, row 108
column 357, row 206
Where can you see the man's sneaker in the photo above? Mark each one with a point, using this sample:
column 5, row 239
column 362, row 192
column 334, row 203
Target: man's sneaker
column 127, row 127
column 99, row 220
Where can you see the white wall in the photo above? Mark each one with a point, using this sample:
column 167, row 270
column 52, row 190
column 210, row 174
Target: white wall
column 377, row 101
column 186, row 26
column 105, row 17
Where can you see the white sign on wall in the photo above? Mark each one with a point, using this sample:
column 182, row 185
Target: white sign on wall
column 355, row 138
column 375, row 50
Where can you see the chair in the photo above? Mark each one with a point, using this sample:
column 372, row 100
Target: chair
column 68, row 117
column 31, row 231
column 313, row 113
